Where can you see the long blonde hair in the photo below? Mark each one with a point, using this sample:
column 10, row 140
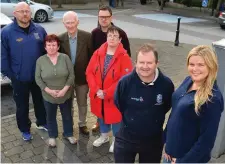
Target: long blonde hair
column 204, row 93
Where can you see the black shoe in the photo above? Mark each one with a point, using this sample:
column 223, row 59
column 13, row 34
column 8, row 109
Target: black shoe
column 84, row 130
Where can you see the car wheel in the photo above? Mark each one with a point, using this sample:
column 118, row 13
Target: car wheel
column 222, row 26
column 41, row 16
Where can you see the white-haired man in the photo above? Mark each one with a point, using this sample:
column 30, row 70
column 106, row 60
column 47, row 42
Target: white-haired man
column 77, row 44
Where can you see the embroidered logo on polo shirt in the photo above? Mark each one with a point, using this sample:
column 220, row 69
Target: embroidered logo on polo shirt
column 137, row 99
column 159, row 99
column 19, row 39
column 36, row 35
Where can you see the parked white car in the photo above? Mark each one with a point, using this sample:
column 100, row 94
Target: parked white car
column 4, row 20
column 40, row 12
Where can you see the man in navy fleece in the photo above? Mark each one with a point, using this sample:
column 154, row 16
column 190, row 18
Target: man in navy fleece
column 143, row 97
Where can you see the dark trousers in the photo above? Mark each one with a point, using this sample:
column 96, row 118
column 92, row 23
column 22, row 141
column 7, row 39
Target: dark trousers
column 66, row 112
column 125, row 152
column 21, row 93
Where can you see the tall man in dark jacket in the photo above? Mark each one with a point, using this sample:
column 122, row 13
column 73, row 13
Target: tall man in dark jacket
column 99, row 36
column 143, row 98
column 22, row 43
column 77, row 44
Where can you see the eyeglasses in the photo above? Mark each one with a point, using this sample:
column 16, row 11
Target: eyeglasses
column 113, row 36
column 24, row 11
column 104, row 17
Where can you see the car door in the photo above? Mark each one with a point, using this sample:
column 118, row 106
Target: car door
column 7, row 8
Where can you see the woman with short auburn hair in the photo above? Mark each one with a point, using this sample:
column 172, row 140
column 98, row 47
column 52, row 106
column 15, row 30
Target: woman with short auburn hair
column 55, row 76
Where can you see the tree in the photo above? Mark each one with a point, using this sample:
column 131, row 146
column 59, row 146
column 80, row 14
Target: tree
column 218, row 8
column 161, row 3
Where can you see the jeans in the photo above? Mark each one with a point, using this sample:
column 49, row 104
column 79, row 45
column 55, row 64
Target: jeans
column 21, row 94
column 105, row 128
column 66, row 112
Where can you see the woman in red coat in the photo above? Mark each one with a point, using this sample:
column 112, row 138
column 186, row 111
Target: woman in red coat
column 108, row 64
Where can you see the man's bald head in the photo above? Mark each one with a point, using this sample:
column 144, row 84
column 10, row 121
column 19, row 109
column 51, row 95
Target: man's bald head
column 22, row 13
column 21, row 6
column 70, row 21
column 71, row 15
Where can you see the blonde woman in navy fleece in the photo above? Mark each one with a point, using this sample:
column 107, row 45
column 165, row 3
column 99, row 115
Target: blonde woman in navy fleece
column 196, row 109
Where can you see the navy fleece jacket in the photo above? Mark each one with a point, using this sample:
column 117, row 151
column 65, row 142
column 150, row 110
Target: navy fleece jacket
column 190, row 137
column 143, row 107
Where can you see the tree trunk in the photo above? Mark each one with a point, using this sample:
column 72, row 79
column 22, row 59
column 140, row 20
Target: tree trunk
column 59, row 3
column 161, row 5
column 218, row 8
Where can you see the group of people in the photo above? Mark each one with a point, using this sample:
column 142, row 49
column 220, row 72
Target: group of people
column 130, row 100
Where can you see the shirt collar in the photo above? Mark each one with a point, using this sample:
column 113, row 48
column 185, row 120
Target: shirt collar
column 70, row 37
column 155, row 78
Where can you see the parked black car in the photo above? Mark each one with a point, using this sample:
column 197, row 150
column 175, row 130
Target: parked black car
column 221, row 20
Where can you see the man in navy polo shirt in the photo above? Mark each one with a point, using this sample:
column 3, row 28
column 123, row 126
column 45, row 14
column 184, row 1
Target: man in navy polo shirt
column 143, row 97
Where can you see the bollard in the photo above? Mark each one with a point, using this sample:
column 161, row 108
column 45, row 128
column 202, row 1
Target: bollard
column 176, row 43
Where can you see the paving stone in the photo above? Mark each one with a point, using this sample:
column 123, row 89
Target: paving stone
column 93, row 155
column 15, row 158
column 3, row 129
column 2, row 148
column 85, row 159
column 11, row 127
column 12, row 122
column 13, row 151
column 46, row 161
column 7, row 120
column 103, row 150
column 28, row 147
column 4, row 134
column 15, row 132
column 221, row 159
column 26, row 154
column 8, row 146
column 38, row 142
column 37, row 158
column 6, row 160
column 8, row 139
column 104, row 159
column 55, row 160
column 2, row 155
column 20, row 142
column 47, row 155
column 29, row 160
column 40, row 150
column 79, row 153
column 5, row 124
column 111, row 156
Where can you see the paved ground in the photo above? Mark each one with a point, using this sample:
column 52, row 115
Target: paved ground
column 172, row 63
column 14, row 149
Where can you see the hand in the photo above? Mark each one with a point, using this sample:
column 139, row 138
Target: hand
column 51, row 92
column 167, row 157
column 100, row 94
column 61, row 93
column 173, row 160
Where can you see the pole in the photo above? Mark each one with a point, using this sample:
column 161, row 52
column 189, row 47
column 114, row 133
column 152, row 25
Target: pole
column 176, row 43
